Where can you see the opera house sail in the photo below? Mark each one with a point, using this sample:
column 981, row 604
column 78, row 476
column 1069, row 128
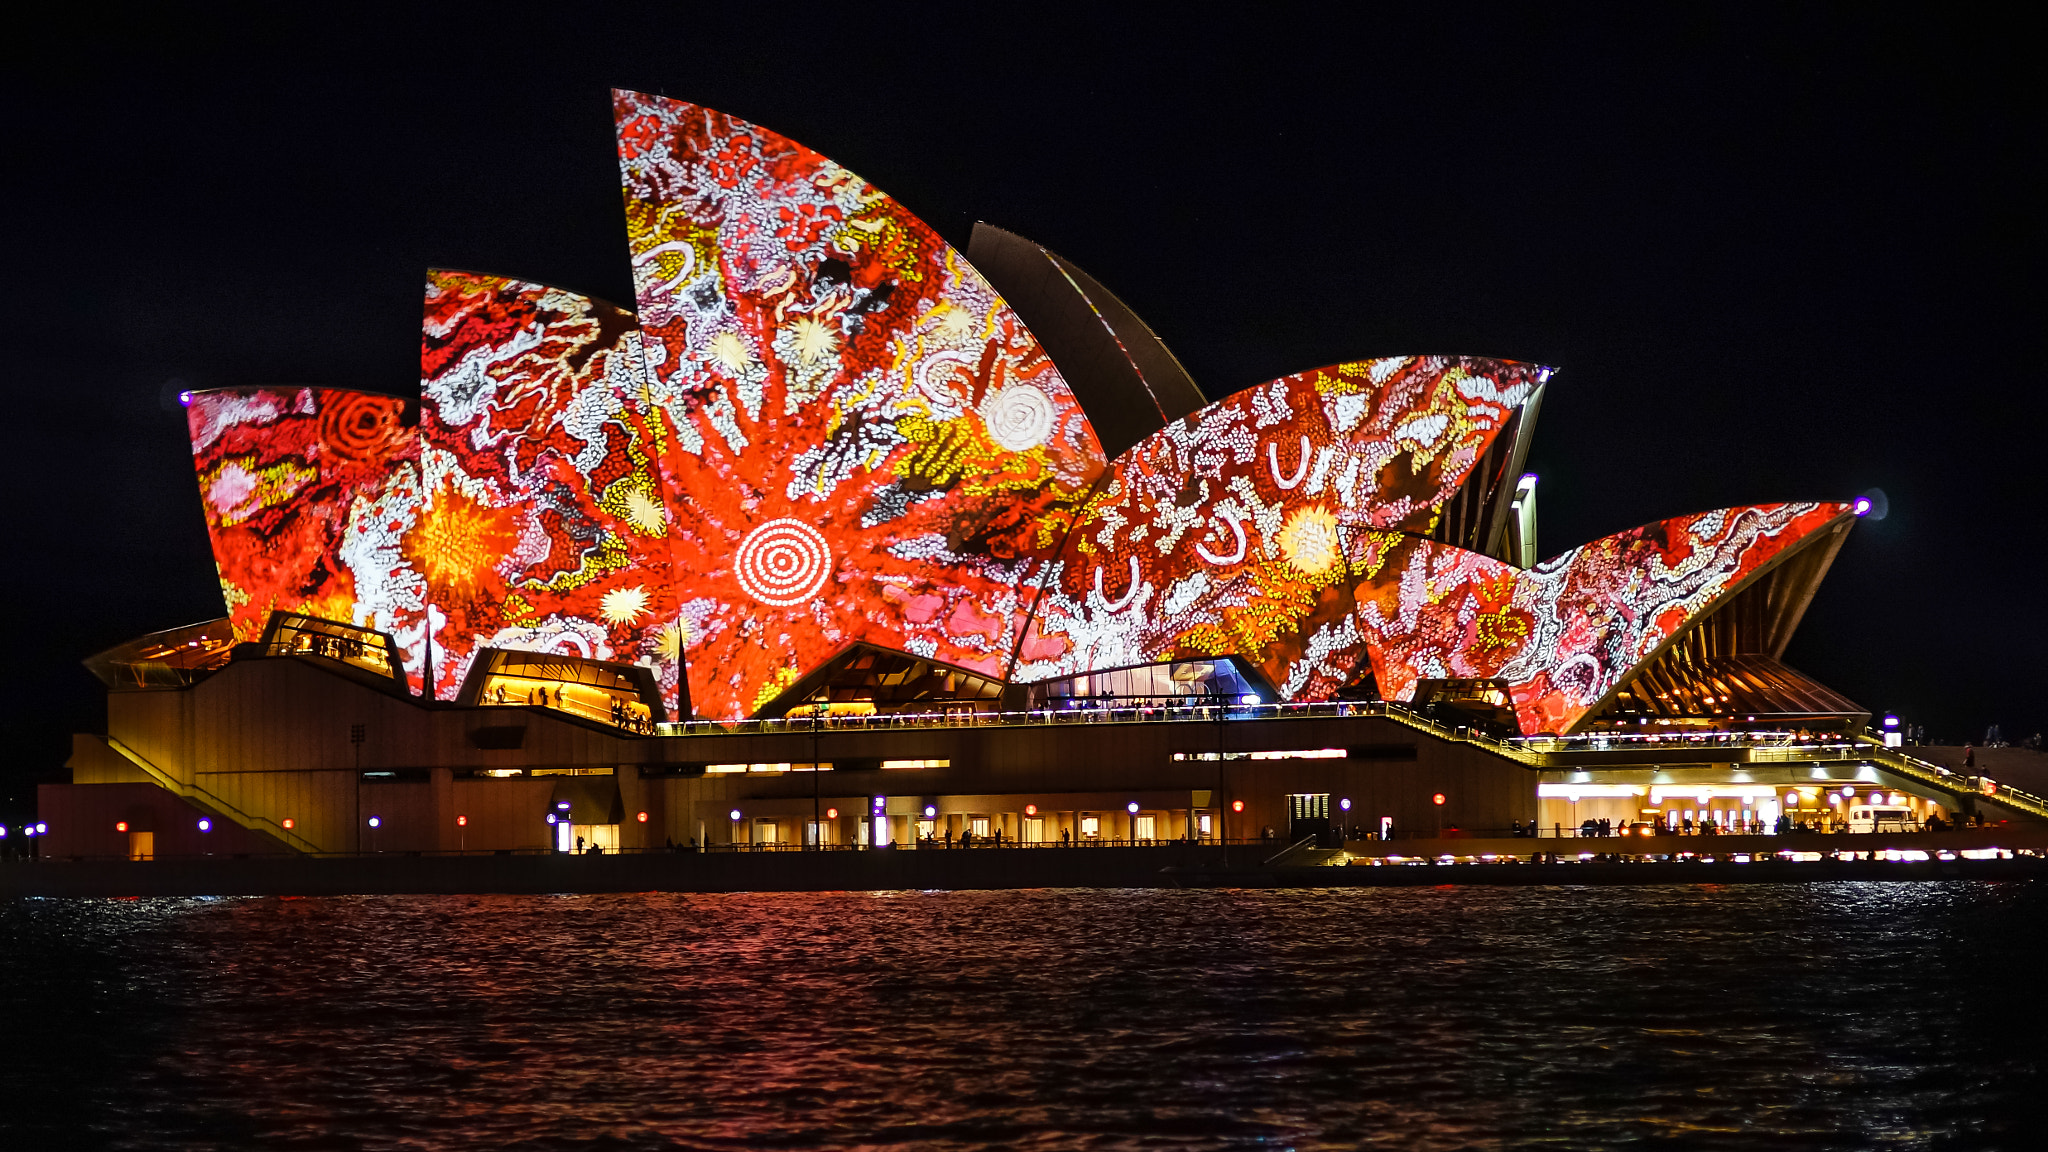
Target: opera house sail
column 827, row 467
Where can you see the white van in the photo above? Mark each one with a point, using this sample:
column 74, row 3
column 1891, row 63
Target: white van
column 1864, row 819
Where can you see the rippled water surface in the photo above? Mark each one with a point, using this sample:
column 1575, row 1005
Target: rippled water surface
column 1817, row 1016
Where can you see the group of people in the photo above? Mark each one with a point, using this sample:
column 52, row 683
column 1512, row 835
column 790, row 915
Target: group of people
column 535, row 697
column 623, row 715
column 332, row 647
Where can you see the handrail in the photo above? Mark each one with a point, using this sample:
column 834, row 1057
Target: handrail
column 1945, row 777
column 196, row 793
column 1125, row 714
column 1290, row 850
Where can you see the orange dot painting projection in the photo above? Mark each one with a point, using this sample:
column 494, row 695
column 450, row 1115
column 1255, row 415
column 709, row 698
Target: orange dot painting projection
column 545, row 523
column 1565, row 633
column 867, row 443
column 307, row 492
column 1224, row 533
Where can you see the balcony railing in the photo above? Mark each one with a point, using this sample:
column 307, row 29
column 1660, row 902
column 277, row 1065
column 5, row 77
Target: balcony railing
column 1164, row 711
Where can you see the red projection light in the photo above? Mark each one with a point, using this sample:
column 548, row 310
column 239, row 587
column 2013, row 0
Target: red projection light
column 1437, row 799
column 642, row 817
column 1237, row 805
column 1312, row 447
column 1031, row 809
column 831, row 813
column 752, row 529
column 1671, row 570
column 120, row 826
column 462, row 821
column 510, row 368
column 289, row 823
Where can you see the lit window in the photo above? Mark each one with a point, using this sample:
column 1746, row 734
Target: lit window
column 1091, row 827
column 979, row 826
column 916, row 764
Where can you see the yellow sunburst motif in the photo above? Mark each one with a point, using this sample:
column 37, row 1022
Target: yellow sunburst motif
column 460, row 540
column 955, row 323
column 645, row 513
column 669, row 644
column 731, row 352
column 624, row 605
column 1309, row 540
column 813, row 340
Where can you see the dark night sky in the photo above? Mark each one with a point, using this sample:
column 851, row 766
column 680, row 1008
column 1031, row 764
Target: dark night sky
column 1782, row 253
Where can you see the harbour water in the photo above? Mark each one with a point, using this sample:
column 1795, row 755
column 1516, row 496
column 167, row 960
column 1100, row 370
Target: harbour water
column 1832, row 1015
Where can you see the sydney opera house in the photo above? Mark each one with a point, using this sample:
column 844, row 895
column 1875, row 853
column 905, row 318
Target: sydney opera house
column 846, row 537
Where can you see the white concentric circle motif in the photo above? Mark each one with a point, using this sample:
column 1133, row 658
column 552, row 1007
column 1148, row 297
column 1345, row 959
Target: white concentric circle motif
column 783, row 562
column 1019, row 417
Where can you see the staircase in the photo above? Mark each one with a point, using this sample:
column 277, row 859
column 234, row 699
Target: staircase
column 209, row 803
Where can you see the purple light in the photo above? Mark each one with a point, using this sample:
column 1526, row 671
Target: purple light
column 1863, row 505
column 1132, row 807
column 551, row 817
column 185, row 398
column 374, row 822
column 735, row 815
column 206, row 825
column 1345, row 803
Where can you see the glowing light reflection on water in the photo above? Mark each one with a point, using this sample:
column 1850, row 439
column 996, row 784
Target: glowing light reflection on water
column 1818, row 1016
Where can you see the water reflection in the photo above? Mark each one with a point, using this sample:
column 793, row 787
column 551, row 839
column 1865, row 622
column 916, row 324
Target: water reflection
column 1818, row 1016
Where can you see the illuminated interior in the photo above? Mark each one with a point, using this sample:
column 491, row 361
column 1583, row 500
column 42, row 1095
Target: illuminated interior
column 866, row 681
column 1177, row 682
column 620, row 695
column 290, row 634
column 173, row 658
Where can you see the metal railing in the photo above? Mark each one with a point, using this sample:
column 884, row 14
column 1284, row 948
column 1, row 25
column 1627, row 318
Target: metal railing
column 1193, row 712
column 1947, row 778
